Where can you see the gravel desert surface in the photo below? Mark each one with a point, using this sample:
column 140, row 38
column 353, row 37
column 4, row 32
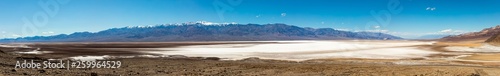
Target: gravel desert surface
column 295, row 58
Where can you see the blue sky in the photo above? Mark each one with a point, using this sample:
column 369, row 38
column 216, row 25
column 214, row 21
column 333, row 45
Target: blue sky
column 405, row 18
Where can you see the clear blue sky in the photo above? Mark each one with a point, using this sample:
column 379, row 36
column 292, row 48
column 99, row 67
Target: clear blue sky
column 416, row 17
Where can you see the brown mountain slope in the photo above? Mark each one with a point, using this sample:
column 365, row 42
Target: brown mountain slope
column 481, row 35
column 495, row 40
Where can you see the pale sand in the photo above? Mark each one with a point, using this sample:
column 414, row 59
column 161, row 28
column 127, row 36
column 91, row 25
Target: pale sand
column 485, row 57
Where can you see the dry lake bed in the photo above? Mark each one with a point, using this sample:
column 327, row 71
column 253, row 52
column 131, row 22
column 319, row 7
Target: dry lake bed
column 301, row 57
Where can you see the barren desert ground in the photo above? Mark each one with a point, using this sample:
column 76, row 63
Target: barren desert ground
column 318, row 57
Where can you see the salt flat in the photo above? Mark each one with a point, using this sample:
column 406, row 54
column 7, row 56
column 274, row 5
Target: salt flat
column 484, row 48
column 279, row 50
column 304, row 50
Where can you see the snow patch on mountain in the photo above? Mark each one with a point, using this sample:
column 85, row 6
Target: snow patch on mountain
column 203, row 23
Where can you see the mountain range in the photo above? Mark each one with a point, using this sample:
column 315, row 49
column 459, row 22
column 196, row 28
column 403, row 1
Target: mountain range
column 481, row 35
column 495, row 39
column 205, row 31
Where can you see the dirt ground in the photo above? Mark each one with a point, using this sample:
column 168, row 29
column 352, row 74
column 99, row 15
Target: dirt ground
column 211, row 66
column 485, row 57
column 195, row 66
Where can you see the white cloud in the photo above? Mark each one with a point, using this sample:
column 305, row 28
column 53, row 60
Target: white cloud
column 48, row 32
column 283, row 14
column 448, row 32
column 376, row 27
column 430, row 8
column 452, row 31
column 16, row 35
column 401, row 33
column 343, row 29
column 377, row 30
column 445, row 30
column 257, row 16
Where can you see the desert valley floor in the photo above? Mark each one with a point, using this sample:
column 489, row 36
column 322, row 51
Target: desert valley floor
column 302, row 57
